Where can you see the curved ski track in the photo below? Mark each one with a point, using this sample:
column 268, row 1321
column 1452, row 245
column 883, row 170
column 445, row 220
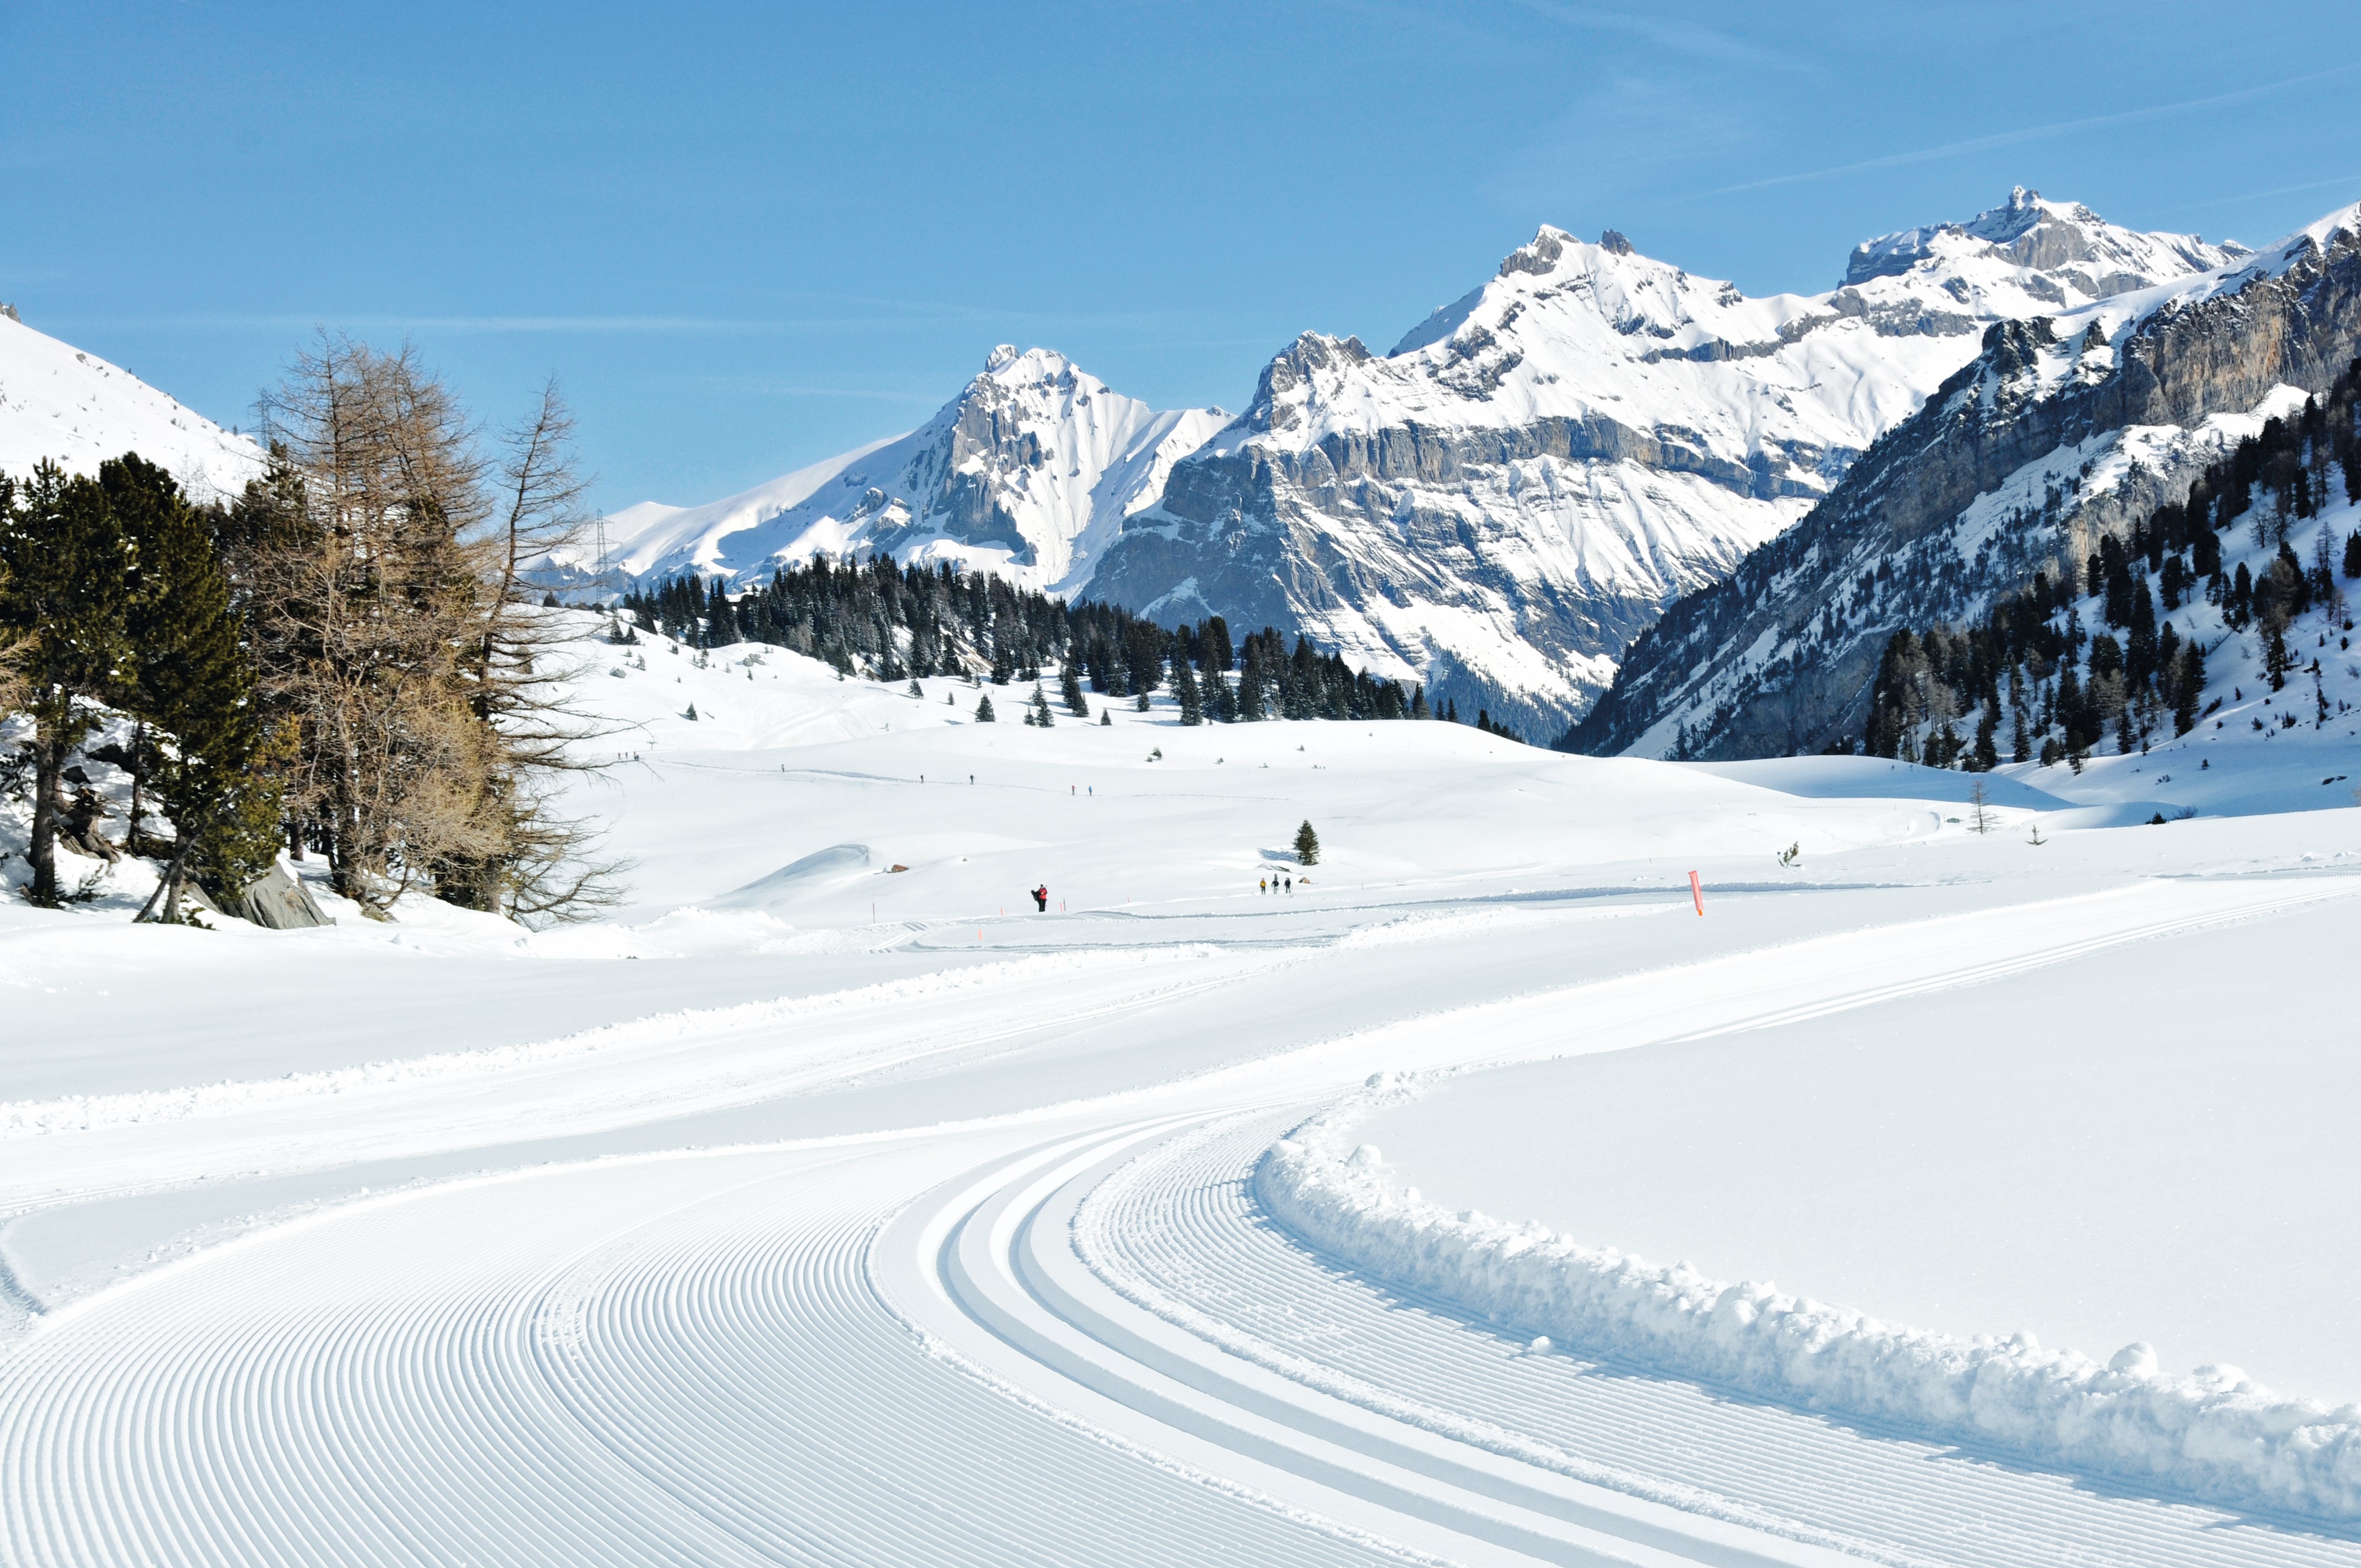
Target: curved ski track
column 1072, row 1340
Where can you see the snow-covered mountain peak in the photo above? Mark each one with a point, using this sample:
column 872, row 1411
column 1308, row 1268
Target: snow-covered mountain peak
column 1516, row 490
column 1028, row 471
column 2076, row 249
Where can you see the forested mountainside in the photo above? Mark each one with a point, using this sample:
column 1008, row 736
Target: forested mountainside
column 2062, row 433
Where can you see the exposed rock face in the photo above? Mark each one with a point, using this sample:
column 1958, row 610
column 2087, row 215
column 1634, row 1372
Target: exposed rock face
column 1028, row 472
column 1500, row 504
column 279, row 901
column 2056, row 432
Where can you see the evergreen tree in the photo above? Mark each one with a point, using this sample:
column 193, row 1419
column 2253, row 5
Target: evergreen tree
column 1214, row 637
column 2353, row 540
column 2277, row 660
column 1225, row 700
column 1987, row 754
column 189, row 677
column 2021, row 738
column 2189, row 685
column 1307, row 845
column 984, row 709
column 1106, row 717
column 1250, row 686
column 1041, row 718
column 1139, row 703
column 1184, row 687
column 63, row 579
column 1070, row 689
column 915, row 689
column 2140, row 640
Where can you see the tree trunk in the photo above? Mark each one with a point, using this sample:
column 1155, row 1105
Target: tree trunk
column 139, row 772
column 49, row 765
column 169, row 886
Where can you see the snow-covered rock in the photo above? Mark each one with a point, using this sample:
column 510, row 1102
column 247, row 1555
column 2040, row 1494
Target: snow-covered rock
column 76, row 409
column 2061, row 429
column 1028, row 472
column 1500, row 504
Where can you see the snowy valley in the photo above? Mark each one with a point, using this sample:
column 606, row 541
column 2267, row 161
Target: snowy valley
column 1031, row 1087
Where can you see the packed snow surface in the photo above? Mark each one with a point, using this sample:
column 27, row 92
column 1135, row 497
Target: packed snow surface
column 826, row 1202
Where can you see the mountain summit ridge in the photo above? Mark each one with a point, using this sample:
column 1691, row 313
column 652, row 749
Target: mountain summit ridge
column 1026, row 471
column 1499, row 505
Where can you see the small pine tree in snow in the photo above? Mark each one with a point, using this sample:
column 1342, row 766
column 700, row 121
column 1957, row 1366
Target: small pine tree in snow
column 1069, row 691
column 1106, row 717
column 915, row 689
column 1185, row 688
column 984, row 709
column 2277, row 660
column 1307, row 845
column 691, row 714
column 1041, row 716
column 1140, row 702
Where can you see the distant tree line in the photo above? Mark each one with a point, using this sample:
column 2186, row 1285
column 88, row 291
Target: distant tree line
column 892, row 622
column 2059, row 690
column 342, row 660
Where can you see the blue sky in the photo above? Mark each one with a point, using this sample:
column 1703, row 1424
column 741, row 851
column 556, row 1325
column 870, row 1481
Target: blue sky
column 745, row 237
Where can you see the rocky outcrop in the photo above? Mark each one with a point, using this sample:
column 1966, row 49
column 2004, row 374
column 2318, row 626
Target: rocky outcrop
column 1778, row 658
column 277, row 901
column 1500, row 504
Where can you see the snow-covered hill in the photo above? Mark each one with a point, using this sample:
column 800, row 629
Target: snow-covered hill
column 75, row 408
column 2062, row 431
column 1028, row 472
column 1503, row 501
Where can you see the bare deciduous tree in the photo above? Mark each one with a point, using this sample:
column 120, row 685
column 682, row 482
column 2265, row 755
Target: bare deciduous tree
column 382, row 565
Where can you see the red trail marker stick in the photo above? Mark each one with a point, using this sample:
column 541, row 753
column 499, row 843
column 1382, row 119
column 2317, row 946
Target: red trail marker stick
column 1696, row 891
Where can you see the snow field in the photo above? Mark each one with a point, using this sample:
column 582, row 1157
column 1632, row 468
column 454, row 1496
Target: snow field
column 2213, row 1434
column 2146, row 1144
column 810, row 1211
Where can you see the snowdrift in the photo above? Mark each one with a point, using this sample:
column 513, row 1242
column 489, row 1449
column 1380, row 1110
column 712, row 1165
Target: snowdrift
column 2214, row 1434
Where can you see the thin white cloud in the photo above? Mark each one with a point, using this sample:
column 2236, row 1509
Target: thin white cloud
column 2038, row 133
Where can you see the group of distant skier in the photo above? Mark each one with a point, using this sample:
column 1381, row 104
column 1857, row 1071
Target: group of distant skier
column 1277, row 882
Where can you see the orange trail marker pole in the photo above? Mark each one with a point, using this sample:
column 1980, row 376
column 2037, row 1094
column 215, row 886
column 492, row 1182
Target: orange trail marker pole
column 1696, row 891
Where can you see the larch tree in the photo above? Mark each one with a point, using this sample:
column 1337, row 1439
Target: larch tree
column 381, row 567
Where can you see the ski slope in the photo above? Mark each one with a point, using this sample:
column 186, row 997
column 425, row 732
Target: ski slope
column 813, row 1211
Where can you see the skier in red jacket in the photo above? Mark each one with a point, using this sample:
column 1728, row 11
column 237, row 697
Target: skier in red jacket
column 1041, row 899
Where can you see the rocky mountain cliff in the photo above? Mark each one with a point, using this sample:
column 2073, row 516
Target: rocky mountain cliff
column 2063, row 428
column 1501, row 503
column 1028, row 472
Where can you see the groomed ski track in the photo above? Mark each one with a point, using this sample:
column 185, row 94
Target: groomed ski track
column 1062, row 1337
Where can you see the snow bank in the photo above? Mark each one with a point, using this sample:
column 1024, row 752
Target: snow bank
column 2214, row 1434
